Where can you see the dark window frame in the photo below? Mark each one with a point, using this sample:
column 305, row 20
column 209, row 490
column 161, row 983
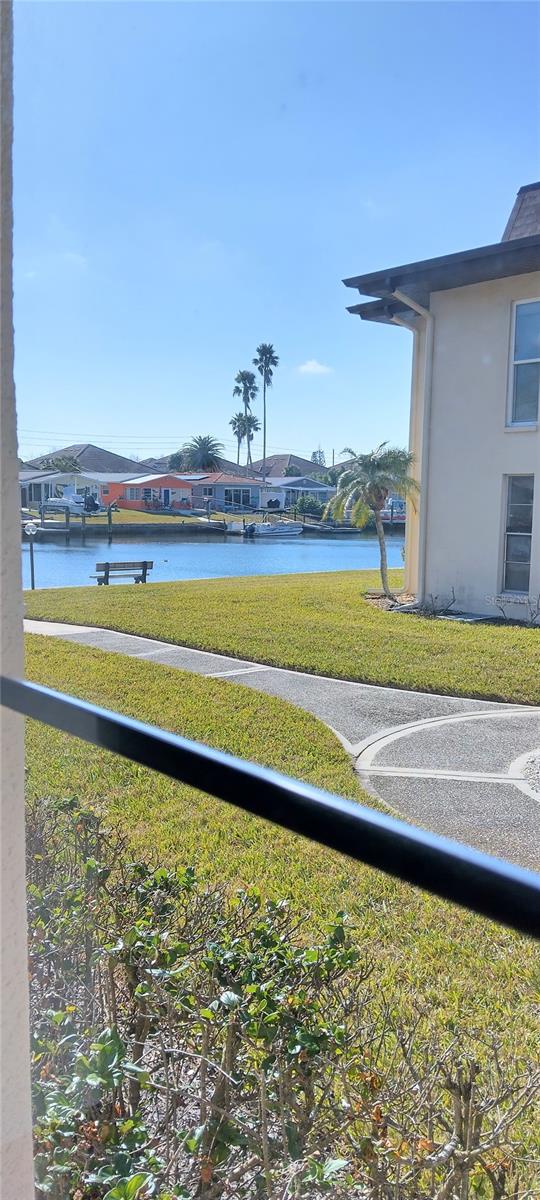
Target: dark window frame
column 517, row 526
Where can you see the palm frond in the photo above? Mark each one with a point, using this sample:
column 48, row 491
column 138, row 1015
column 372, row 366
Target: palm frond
column 372, row 477
column 202, row 453
column 360, row 514
column 334, row 507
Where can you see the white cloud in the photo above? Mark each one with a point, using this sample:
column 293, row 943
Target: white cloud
column 313, row 367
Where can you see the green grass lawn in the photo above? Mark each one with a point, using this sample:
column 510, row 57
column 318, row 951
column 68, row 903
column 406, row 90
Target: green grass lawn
column 319, row 623
column 460, row 966
column 124, row 516
column 128, row 516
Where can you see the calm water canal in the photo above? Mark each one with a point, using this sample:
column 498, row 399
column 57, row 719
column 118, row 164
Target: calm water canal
column 58, row 565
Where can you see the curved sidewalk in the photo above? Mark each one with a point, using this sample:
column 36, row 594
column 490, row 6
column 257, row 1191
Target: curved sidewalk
column 451, row 764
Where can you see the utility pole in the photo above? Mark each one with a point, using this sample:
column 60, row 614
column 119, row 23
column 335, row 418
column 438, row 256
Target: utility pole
column 333, row 457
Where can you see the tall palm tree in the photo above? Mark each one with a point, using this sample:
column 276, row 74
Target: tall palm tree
column 265, row 361
column 238, row 425
column 251, row 426
column 202, row 453
column 364, row 487
column 246, row 388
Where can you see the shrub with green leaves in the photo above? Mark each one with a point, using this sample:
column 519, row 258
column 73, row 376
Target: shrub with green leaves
column 310, row 505
column 191, row 1043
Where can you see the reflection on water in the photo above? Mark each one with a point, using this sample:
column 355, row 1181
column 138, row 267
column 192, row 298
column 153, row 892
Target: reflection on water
column 58, row 565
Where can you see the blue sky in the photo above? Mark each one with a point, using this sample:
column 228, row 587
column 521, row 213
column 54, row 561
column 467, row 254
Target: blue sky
column 194, row 178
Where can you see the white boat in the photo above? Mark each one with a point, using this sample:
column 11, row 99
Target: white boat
column 258, row 529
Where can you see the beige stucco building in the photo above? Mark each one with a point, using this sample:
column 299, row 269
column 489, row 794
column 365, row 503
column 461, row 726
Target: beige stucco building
column 474, row 426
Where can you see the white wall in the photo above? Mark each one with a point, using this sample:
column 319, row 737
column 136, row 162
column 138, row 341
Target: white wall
column 470, row 450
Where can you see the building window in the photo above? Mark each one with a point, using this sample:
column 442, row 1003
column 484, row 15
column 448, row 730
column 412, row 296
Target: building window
column 518, row 535
column 526, row 364
column 239, row 496
column 105, row 490
column 207, row 491
column 133, row 493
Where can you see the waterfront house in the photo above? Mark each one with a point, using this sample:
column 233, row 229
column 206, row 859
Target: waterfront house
column 222, row 492
column 38, row 486
column 104, row 480
column 144, row 492
column 287, row 491
column 474, row 432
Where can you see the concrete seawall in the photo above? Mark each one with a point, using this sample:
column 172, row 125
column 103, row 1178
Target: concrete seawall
column 145, row 529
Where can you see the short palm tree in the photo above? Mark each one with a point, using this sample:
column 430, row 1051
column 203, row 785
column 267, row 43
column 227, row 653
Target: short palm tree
column 365, row 486
column 238, row 426
column 202, row 453
column 265, row 361
column 251, row 426
column 245, row 386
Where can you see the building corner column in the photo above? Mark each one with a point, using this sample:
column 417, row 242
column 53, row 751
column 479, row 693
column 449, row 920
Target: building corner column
column 16, row 1176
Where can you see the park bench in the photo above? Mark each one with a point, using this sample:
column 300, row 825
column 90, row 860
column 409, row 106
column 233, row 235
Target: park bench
column 115, row 570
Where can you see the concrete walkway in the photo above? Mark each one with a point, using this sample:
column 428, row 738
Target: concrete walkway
column 454, row 766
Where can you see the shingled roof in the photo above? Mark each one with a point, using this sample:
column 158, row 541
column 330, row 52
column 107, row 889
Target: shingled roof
column 524, row 220
column 161, row 464
column 278, row 464
column 90, row 458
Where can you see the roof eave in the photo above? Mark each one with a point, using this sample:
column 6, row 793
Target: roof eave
column 384, row 312
column 497, row 261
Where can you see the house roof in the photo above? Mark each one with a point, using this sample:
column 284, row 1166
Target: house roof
column 297, row 481
column 517, row 254
column 36, row 476
column 110, row 476
column 524, row 220
column 138, row 480
column 90, row 457
column 277, row 464
column 26, row 474
column 156, row 464
column 214, row 477
column 161, row 464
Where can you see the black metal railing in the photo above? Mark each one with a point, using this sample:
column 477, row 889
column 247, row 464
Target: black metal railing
column 455, row 872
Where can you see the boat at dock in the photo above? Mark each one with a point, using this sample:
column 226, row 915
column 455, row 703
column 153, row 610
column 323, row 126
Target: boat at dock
column 266, row 529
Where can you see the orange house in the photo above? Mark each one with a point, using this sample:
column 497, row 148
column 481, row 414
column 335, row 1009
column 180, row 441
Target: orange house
column 151, row 493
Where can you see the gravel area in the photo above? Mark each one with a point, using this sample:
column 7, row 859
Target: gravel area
column 531, row 771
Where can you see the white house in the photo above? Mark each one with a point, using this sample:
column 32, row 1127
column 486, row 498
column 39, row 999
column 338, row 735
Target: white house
column 475, row 319
column 38, row 486
column 288, row 490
